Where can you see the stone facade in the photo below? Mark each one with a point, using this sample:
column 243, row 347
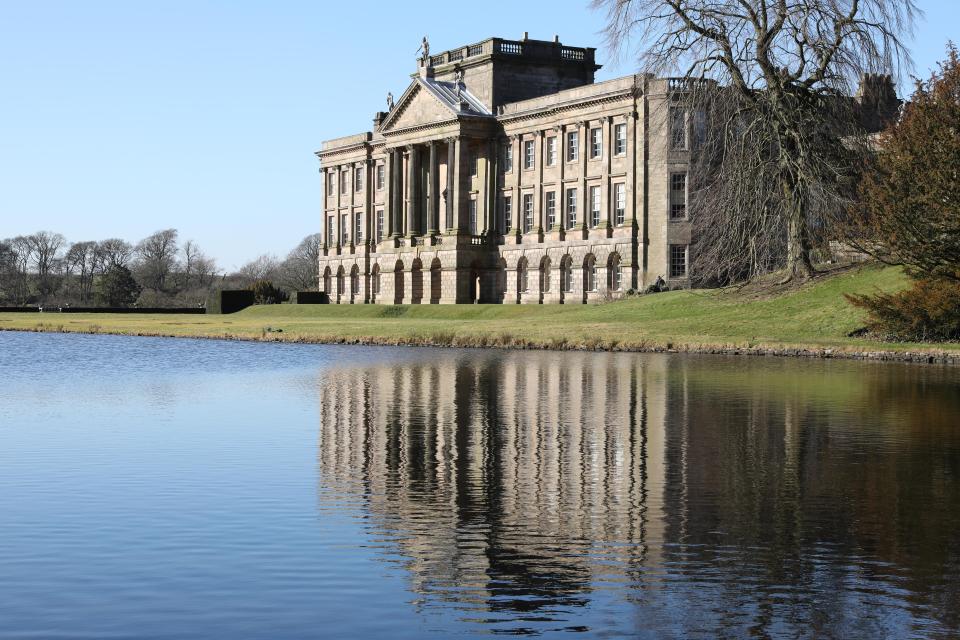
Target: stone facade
column 505, row 174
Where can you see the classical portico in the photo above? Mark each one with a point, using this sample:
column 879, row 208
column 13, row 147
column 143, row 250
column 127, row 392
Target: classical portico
column 502, row 174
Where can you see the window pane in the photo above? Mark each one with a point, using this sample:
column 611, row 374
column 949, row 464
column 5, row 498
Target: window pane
column 527, row 212
column 678, row 260
column 573, row 151
column 596, row 143
column 571, row 208
column 678, row 129
column 678, row 196
column 594, row 206
column 621, row 142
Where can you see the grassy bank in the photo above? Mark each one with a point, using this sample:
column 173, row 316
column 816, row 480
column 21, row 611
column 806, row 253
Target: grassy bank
column 763, row 316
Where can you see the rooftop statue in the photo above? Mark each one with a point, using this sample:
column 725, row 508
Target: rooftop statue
column 425, row 48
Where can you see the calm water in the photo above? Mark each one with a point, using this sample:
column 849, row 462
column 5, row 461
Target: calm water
column 155, row 488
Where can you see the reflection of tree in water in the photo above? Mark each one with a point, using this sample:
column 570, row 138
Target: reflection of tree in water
column 834, row 479
column 783, row 495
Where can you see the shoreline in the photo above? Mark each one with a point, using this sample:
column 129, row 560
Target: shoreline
column 933, row 356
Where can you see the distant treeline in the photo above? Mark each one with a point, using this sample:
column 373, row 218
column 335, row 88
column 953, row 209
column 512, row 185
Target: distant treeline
column 43, row 268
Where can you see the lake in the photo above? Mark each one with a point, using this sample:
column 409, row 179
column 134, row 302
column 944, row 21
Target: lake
column 160, row 488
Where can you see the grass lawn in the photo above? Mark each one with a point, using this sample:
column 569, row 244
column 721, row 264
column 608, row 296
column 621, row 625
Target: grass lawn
column 762, row 315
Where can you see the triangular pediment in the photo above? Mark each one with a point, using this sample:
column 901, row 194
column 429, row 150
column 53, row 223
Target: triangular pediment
column 417, row 107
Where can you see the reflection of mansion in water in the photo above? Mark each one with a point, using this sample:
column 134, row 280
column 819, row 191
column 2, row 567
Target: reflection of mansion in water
column 504, row 173
column 466, row 464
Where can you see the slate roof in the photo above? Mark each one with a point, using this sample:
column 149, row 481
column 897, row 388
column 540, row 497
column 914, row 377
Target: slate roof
column 446, row 92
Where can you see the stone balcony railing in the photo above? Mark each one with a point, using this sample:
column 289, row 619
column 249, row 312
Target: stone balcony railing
column 539, row 49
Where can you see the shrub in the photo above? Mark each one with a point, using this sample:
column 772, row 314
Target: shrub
column 117, row 287
column 265, row 293
column 927, row 312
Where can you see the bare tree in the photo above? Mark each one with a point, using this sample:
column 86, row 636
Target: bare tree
column 8, row 270
column 776, row 157
column 80, row 259
column 300, row 269
column 156, row 258
column 112, row 252
column 46, row 248
column 265, row 267
column 23, row 255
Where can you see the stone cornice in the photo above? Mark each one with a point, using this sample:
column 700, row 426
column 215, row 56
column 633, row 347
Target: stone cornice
column 565, row 108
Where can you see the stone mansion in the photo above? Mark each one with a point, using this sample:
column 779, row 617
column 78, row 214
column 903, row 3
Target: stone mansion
column 505, row 174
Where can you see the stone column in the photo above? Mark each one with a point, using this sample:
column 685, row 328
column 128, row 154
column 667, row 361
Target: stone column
column 388, row 195
column 433, row 197
column 606, row 192
column 514, row 227
column 339, row 193
column 450, row 222
column 410, row 214
column 490, row 186
column 539, row 158
column 583, row 207
column 397, row 193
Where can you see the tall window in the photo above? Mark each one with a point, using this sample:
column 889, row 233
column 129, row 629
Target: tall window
column 594, row 206
column 379, row 225
column 330, row 180
column 699, row 128
column 528, row 154
column 571, row 208
column 331, row 231
column 343, row 181
column 358, row 228
column 596, row 143
column 358, row 179
column 678, row 196
column 590, row 275
column 616, row 273
column 678, row 260
column 474, row 161
column 507, row 211
column 566, row 275
column 381, row 177
column 552, row 150
column 620, row 202
column 523, row 279
column 620, row 139
column 678, row 129
column 344, row 230
column 545, row 275
column 508, row 157
column 551, row 208
column 527, row 212
column 573, row 146
column 473, row 217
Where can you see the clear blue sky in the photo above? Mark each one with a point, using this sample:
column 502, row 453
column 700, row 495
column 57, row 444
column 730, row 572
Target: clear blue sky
column 118, row 118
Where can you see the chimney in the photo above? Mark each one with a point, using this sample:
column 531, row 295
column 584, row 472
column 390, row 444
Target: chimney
column 378, row 119
column 878, row 100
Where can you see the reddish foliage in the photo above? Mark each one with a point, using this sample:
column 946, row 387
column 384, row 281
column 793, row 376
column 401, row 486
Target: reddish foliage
column 927, row 312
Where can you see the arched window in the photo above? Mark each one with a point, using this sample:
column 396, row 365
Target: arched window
column 589, row 273
column 566, row 274
column 615, row 273
column 375, row 280
column 326, row 281
column 522, row 279
column 545, row 275
column 340, row 282
column 355, row 281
